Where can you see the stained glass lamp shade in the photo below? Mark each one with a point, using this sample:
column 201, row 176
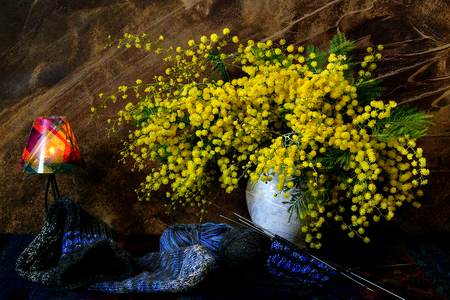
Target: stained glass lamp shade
column 51, row 148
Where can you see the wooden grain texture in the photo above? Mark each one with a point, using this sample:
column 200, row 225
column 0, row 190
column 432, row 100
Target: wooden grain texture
column 53, row 61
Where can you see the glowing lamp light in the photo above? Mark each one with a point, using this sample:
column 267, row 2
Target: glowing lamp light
column 51, row 148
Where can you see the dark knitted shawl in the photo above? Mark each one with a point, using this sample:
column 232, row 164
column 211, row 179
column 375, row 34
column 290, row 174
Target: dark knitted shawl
column 73, row 249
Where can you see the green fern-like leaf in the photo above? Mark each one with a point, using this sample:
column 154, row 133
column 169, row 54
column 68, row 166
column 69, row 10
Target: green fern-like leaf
column 298, row 203
column 219, row 65
column 145, row 115
column 339, row 45
column 320, row 56
column 334, row 158
column 368, row 91
column 403, row 120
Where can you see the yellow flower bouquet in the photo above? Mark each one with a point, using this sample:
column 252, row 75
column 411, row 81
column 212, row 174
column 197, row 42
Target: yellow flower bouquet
column 231, row 110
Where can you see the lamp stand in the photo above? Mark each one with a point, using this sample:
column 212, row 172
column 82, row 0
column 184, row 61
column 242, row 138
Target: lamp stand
column 51, row 181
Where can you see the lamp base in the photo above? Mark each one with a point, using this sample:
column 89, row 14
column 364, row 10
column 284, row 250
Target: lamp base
column 51, row 181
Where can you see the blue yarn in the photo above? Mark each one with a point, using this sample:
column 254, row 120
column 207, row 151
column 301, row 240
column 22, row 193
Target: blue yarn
column 183, row 235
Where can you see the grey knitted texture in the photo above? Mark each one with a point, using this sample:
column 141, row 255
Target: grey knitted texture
column 75, row 249
column 169, row 271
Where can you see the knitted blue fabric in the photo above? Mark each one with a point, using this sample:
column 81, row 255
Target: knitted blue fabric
column 73, row 240
column 75, row 249
column 169, row 271
column 208, row 235
column 243, row 254
column 291, row 261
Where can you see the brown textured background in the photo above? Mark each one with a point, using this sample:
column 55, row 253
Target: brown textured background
column 53, row 61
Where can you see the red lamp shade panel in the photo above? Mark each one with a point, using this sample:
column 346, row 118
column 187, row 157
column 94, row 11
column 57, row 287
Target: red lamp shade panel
column 51, row 148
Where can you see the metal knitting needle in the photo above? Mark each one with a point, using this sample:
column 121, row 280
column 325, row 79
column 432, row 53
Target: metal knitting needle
column 381, row 288
column 246, row 221
column 249, row 224
column 253, row 226
column 343, row 274
column 240, row 224
column 353, row 279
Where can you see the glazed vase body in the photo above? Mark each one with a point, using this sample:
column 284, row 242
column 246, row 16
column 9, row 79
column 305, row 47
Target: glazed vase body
column 268, row 211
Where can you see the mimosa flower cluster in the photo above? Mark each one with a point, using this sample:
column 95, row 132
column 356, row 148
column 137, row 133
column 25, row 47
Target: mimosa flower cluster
column 312, row 117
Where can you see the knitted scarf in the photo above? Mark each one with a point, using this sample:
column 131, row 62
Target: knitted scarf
column 75, row 249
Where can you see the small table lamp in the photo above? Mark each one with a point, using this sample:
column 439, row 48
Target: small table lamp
column 51, row 149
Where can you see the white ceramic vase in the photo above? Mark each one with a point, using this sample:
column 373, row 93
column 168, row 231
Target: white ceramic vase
column 268, row 211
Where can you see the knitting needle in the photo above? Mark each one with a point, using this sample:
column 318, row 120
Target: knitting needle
column 246, row 221
column 249, row 224
column 240, row 224
column 261, row 229
column 381, row 288
column 343, row 274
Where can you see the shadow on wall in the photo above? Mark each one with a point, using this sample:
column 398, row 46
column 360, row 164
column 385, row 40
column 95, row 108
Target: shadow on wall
column 53, row 61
